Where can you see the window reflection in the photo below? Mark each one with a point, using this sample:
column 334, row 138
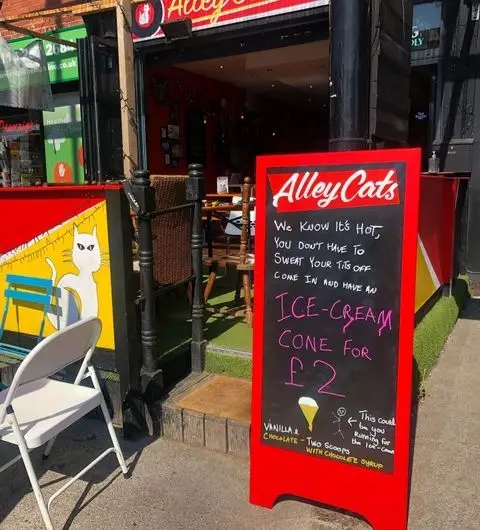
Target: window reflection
column 426, row 25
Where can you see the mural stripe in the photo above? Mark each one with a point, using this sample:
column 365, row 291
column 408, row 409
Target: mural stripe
column 429, row 265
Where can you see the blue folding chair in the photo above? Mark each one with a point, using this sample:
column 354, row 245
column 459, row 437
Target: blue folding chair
column 37, row 292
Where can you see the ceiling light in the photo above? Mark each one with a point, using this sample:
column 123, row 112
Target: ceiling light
column 311, row 86
column 178, row 29
column 273, row 85
column 221, row 67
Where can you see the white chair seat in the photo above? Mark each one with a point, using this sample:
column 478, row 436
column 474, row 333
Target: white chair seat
column 44, row 408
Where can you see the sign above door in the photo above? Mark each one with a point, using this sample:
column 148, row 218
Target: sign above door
column 206, row 14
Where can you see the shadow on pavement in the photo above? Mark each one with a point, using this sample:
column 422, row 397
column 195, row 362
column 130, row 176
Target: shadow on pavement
column 472, row 310
column 330, row 514
column 74, row 449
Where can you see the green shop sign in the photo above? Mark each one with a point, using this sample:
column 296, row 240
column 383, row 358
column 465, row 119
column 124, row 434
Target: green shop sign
column 63, row 140
column 62, row 60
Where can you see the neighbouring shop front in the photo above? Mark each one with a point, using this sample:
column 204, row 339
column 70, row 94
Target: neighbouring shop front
column 252, row 88
column 244, row 79
column 247, row 79
column 47, row 146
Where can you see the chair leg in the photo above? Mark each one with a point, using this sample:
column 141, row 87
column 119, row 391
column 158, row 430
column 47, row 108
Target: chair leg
column 113, row 436
column 48, row 448
column 238, row 288
column 211, row 280
column 248, row 297
column 108, row 421
column 22, row 446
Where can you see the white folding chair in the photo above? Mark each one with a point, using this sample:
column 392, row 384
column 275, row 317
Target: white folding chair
column 35, row 409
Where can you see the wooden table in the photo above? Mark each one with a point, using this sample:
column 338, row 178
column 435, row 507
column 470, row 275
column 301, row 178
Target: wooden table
column 220, row 196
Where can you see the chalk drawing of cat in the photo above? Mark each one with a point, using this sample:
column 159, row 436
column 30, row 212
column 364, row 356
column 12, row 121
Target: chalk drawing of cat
column 76, row 294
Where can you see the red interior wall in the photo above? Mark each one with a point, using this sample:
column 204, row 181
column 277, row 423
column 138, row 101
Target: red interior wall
column 202, row 90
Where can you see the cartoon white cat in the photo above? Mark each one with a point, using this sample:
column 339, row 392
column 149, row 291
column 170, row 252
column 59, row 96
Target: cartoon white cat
column 76, row 294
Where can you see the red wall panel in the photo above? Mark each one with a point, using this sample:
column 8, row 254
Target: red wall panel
column 187, row 89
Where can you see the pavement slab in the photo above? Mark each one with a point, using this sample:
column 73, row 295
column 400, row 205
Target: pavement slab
column 445, row 493
column 174, row 486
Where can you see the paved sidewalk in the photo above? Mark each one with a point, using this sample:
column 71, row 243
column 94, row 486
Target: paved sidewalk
column 179, row 487
column 173, row 487
column 445, row 491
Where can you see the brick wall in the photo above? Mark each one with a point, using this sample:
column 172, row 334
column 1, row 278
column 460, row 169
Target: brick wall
column 17, row 7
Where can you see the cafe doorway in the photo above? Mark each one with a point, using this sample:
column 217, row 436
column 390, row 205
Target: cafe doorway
column 267, row 93
column 221, row 99
column 423, row 87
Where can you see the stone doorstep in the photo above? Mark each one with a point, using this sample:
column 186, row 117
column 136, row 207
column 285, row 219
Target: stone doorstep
column 222, row 435
column 193, row 415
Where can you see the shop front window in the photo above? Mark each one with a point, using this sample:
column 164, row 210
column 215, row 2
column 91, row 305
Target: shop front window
column 427, row 17
column 21, row 150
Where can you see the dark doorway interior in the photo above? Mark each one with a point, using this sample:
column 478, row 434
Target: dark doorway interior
column 422, row 110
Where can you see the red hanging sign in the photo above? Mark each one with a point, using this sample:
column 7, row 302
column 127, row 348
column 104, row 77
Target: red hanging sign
column 24, row 127
column 336, row 243
column 204, row 14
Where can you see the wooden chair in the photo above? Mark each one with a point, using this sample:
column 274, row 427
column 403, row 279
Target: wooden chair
column 172, row 231
column 243, row 262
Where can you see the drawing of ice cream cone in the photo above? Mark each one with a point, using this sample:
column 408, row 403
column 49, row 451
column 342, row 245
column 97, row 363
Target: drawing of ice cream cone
column 309, row 409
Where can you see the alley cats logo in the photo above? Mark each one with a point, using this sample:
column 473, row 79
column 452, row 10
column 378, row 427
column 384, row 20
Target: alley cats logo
column 314, row 190
column 147, row 18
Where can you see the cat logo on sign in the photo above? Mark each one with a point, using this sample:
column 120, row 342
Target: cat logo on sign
column 147, row 18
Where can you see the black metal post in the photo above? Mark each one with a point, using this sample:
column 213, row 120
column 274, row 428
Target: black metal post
column 140, row 94
column 128, row 355
column 145, row 196
column 349, row 74
column 195, row 193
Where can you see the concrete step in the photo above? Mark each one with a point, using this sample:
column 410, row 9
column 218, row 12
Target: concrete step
column 211, row 411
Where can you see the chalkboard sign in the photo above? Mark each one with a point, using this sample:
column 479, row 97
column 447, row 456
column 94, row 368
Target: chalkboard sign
column 333, row 306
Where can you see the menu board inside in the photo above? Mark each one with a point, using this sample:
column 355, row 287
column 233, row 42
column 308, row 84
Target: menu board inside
column 332, row 277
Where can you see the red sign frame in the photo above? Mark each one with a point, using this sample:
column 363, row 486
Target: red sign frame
column 206, row 14
column 382, row 498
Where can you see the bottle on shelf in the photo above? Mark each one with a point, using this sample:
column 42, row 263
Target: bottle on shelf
column 434, row 163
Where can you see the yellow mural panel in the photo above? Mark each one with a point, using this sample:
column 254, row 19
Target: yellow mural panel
column 76, row 256
column 425, row 284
